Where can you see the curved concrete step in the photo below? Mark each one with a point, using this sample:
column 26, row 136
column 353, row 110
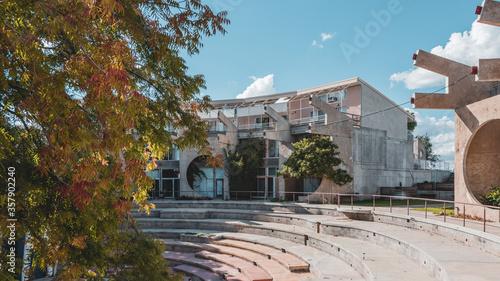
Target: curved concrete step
column 204, row 275
column 275, row 269
column 370, row 269
column 291, row 262
column 180, row 258
column 253, row 272
column 446, row 258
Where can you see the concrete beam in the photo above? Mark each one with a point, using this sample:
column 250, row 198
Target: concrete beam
column 489, row 70
column 490, row 14
column 331, row 113
column 464, row 91
column 336, row 122
column 231, row 136
column 282, row 133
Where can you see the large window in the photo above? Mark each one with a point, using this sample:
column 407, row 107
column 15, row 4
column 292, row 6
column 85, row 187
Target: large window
column 317, row 115
column 166, row 183
column 310, row 185
column 266, row 179
column 205, row 185
column 173, row 154
column 337, row 96
column 272, row 148
column 261, row 122
column 212, row 125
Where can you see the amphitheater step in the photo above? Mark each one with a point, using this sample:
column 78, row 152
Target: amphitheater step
column 250, row 270
column 291, row 262
column 179, row 258
column 203, row 274
column 275, row 269
column 450, row 259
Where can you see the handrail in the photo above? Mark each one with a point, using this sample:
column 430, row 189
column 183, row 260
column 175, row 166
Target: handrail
column 262, row 195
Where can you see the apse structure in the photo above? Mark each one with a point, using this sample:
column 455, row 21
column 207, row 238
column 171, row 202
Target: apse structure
column 473, row 93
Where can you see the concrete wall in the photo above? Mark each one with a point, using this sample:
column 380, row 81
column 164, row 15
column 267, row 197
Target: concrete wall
column 394, row 121
column 477, row 153
column 380, row 161
column 430, row 176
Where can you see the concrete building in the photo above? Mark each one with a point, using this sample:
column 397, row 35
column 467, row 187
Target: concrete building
column 473, row 93
column 370, row 130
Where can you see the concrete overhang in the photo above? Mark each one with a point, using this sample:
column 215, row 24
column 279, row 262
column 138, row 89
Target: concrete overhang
column 490, row 13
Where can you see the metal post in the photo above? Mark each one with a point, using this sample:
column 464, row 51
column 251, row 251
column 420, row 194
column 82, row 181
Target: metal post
column 464, row 214
column 308, row 198
column 374, row 203
column 323, row 198
column 444, row 212
column 425, row 208
column 294, row 197
column 338, row 200
column 484, row 219
column 352, row 203
column 407, row 207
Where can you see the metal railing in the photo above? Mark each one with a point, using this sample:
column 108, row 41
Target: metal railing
column 336, row 198
column 422, row 164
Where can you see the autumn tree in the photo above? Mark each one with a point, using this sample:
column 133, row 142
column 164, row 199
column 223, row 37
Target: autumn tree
column 315, row 158
column 87, row 91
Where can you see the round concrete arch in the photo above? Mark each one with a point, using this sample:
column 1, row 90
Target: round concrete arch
column 482, row 159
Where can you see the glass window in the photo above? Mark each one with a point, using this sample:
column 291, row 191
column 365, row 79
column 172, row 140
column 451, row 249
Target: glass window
column 169, row 173
column 262, row 122
column 270, row 186
column 342, row 109
column 154, row 174
column 271, row 171
column 173, row 154
column 337, row 96
column 310, row 185
column 273, row 148
column 212, row 125
column 261, row 186
column 261, row 172
column 222, row 127
column 219, row 173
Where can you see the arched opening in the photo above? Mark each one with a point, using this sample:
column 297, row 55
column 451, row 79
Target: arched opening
column 482, row 159
column 205, row 179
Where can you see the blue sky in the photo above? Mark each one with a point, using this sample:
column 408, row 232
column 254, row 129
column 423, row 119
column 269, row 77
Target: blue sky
column 275, row 46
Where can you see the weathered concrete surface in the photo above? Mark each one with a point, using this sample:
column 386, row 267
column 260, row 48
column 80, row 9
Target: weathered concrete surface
column 477, row 153
column 489, row 70
column 490, row 13
column 467, row 91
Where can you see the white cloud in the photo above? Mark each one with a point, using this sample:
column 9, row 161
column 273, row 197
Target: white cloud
column 260, row 87
column 441, row 132
column 481, row 41
column 314, row 43
column 326, row 36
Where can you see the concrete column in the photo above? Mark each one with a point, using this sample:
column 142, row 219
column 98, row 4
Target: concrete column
column 282, row 132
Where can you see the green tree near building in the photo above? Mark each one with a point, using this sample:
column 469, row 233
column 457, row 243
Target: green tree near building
column 430, row 155
column 87, row 92
column 315, row 157
column 241, row 166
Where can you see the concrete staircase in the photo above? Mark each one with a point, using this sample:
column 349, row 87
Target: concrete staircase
column 281, row 241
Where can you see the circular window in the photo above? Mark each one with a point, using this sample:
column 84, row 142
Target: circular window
column 482, row 159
